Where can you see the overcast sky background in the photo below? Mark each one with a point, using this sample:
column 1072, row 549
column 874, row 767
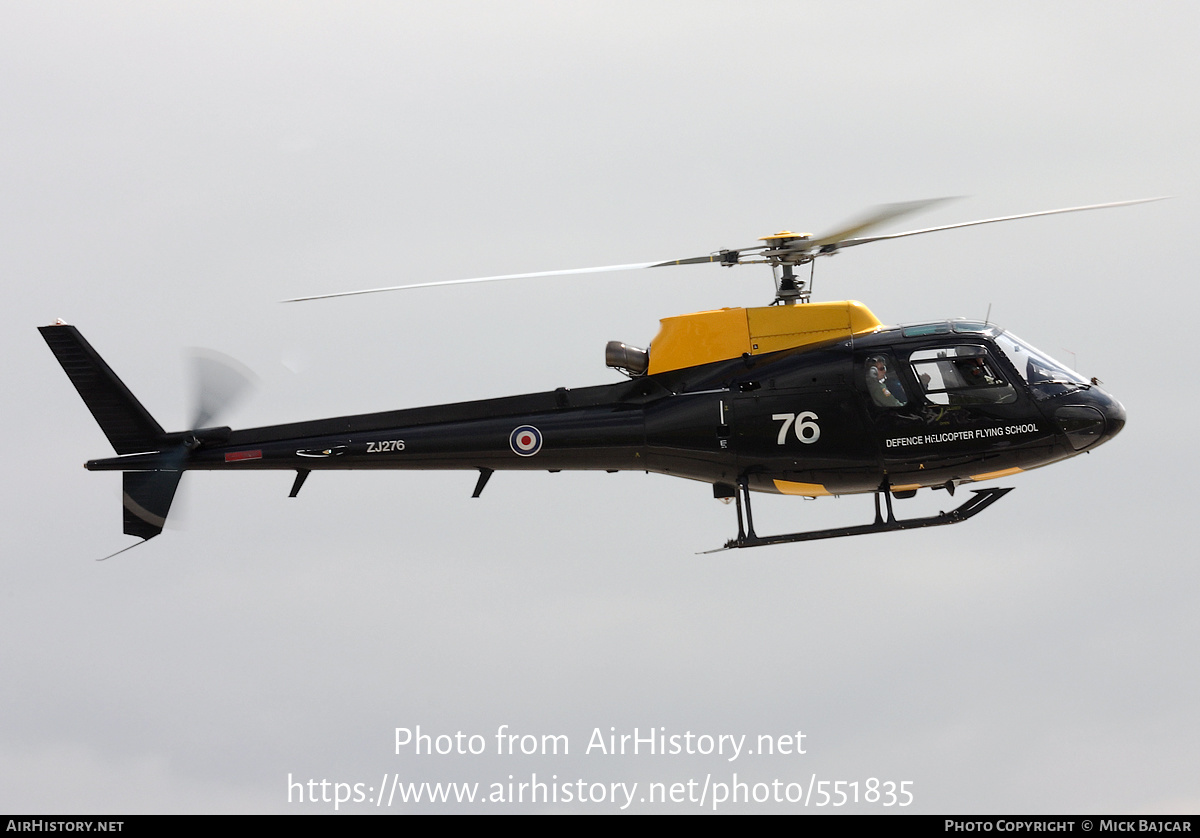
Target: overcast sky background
column 169, row 172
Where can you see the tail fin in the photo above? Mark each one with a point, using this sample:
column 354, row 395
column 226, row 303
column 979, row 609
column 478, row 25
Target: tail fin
column 129, row 427
column 147, row 496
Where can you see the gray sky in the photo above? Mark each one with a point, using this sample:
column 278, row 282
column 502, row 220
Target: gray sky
column 171, row 171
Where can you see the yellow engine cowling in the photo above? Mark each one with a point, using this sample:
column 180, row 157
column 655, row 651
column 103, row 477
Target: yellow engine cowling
column 706, row 336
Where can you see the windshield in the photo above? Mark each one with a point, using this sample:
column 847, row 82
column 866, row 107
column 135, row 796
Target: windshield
column 1045, row 376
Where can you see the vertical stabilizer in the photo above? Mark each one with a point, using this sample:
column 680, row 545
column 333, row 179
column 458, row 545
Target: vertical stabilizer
column 129, row 426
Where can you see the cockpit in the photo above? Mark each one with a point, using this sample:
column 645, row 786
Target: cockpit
column 976, row 365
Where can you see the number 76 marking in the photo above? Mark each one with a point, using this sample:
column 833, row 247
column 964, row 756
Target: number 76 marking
column 807, row 429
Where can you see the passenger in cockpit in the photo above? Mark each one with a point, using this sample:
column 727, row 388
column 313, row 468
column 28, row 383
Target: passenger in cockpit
column 885, row 388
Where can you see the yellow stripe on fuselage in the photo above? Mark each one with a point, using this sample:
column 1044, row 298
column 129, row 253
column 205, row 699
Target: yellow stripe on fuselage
column 808, row 490
column 992, row 475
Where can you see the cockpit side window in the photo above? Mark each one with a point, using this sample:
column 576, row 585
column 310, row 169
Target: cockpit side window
column 961, row 375
column 883, row 383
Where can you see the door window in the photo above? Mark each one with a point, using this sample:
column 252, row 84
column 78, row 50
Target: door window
column 960, row 375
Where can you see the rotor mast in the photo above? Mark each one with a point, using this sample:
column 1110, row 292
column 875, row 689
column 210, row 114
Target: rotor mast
column 784, row 252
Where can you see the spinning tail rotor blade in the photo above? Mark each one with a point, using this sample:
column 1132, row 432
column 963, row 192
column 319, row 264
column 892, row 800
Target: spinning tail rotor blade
column 218, row 383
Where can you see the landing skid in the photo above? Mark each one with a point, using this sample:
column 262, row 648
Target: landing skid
column 746, row 537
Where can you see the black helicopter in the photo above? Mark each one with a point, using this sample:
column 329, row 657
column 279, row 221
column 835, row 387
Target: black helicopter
column 794, row 398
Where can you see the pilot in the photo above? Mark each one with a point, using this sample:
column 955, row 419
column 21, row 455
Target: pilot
column 885, row 389
column 973, row 371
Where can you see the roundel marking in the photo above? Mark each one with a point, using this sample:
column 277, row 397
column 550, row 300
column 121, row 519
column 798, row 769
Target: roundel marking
column 525, row 441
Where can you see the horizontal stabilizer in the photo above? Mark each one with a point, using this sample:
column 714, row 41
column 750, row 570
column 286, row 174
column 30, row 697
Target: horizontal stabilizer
column 128, row 425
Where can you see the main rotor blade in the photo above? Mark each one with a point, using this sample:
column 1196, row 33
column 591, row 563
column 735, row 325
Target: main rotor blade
column 533, row 275
column 877, row 216
column 704, row 260
column 852, row 242
column 800, row 249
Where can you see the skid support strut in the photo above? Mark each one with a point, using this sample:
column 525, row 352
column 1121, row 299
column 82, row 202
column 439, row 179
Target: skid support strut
column 744, row 489
column 980, row 500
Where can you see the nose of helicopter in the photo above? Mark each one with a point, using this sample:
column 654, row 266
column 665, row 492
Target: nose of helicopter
column 1093, row 417
column 1114, row 418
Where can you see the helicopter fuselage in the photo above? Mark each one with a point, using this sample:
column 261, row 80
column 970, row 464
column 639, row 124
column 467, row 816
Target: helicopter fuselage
column 936, row 405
